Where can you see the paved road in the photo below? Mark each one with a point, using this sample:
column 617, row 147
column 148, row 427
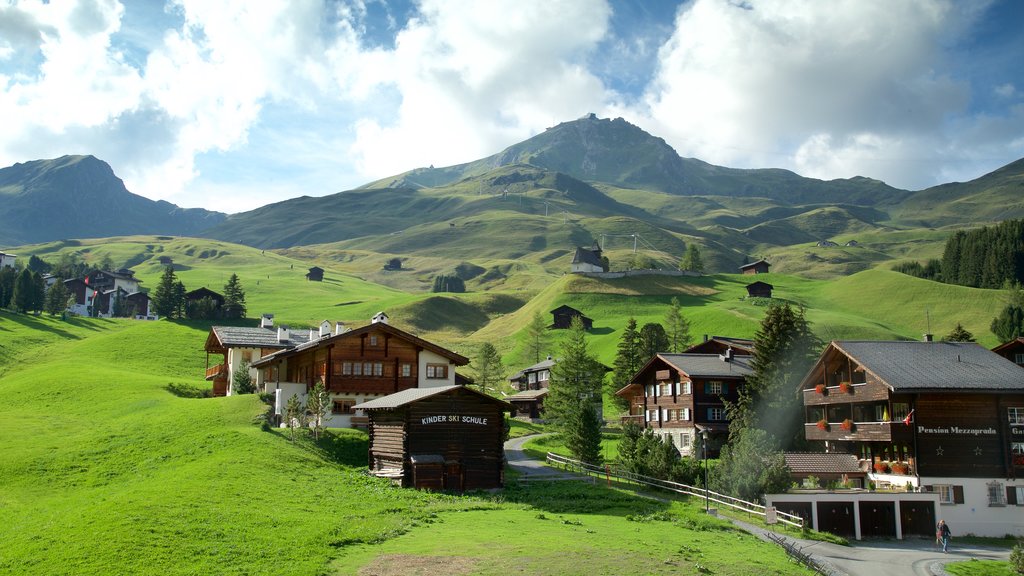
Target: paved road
column 875, row 558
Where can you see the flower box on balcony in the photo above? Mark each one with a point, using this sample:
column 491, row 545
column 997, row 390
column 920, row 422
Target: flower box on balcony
column 900, row 468
column 845, row 387
column 881, row 467
column 822, row 424
column 847, row 425
column 820, row 389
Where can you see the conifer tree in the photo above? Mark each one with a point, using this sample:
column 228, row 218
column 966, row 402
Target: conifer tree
column 294, row 414
column 488, row 368
column 959, row 334
column 536, row 336
column 38, row 292
column 574, row 396
column 677, row 328
column 234, row 298
column 163, row 297
column 23, row 297
column 57, row 298
column 653, row 339
column 627, row 359
column 241, row 382
column 180, row 300
column 692, row 260
column 8, row 277
column 319, row 405
column 1009, row 324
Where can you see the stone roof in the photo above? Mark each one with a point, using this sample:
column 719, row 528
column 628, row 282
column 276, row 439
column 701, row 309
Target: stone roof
column 248, row 337
column 542, row 365
column 822, row 463
column 529, row 394
column 710, row 365
column 914, row 365
column 399, row 399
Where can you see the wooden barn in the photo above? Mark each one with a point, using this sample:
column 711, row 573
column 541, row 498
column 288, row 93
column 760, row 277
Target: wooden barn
column 759, row 267
column 204, row 292
column 563, row 315
column 444, row 438
column 759, row 290
column 315, row 274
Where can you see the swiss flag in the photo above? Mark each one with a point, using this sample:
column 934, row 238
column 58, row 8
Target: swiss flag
column 909, row 418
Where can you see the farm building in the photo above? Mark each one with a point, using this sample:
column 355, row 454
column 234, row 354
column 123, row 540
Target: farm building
column 563, row 315
column 443, row 438
column 528, row 403
column 315, row 274
column 204, row 292
column 587, row 259
column 759, row 290
column 759, row 267
column 941, row 417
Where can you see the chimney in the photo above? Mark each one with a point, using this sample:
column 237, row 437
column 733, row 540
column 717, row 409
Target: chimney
column 727, row 357
column 927, row 337
column 705, row 337
column 282, row 334
column 267, row 321
column 313, row 334
column 325, row 329
column 339, row 328
column 379, row 317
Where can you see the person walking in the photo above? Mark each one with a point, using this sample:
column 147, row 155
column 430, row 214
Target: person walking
column 942, row 533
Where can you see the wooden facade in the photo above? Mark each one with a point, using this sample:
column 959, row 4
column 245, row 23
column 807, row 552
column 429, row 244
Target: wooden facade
column 315, row 274
column 759, row 290
column 563, row 315
column 759, row 267
column 679, row 395
column 447, row 438
column 1012, row 350
column 204, row 292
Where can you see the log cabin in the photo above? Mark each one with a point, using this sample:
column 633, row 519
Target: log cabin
column 759, row 267
column 1012, row 350
column 759, row 290
column 440, row 438
column 356, row 366
column 940, row 417
column 680, row 396
column 563, row 315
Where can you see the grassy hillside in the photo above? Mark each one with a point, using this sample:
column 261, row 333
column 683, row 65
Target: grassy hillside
column 110, row 467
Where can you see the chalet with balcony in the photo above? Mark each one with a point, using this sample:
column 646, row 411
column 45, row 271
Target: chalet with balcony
column 1012, row 350
column 682, row 395
column 533, row 378
column 106, row 281
column 356, row 366
column 944, row 417
column 237, row 344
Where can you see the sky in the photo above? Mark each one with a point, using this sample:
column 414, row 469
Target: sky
column 233, row 105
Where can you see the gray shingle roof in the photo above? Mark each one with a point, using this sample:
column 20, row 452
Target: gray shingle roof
column 585, row 256
column 529, row 394
column 248, row 337
column 821, row 463
column 914, row 365
column 411, row 395
column 543, row 364
column 710, row 365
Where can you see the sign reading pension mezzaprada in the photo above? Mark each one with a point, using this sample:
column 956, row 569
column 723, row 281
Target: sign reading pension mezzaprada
column 957, row 431
column 454, row 418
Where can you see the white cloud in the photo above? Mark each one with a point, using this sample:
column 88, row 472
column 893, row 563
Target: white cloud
column 1006, row 90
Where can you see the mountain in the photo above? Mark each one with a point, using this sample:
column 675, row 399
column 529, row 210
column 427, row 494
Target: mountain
column 995, row 196
column 81, row 197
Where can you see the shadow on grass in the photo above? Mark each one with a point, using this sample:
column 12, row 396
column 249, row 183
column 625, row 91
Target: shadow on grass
column 37, row 323
column 580, row 497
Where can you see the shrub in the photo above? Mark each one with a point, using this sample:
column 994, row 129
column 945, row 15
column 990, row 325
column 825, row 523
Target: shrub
column 1017, row 557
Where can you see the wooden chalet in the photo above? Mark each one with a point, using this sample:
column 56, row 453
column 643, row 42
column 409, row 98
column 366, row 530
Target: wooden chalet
column 533, row 378
column 356, row 366
column 719, row 344
column 528, row 403
column 683, row 395
column 825, row 467
column 1012, row 350
column 440, row 438
column 759, row 267
column 759, row 290
column 204, row 292
column 106, row 281
column 563, row 315
column 945, row 417
column 238, row 344
column 315, row 274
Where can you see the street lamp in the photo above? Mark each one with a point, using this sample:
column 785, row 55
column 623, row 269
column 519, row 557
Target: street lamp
column 704, row 437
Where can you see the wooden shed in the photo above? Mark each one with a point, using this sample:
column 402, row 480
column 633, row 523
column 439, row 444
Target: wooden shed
column 759, row 290
column 315, row 274
column 563, row 315
column 759, row 267
column 440, row 438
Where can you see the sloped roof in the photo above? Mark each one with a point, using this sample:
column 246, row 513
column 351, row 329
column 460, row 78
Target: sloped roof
column 745, row 344
column 529, row 394
column 914, row 365
column 822, row 463
column 760, row 284
column 399, row 399
column 752, row 264
column 585, row 256
column 1009, row 345
column 710, row 365
column 249, row 337
column 542, row 365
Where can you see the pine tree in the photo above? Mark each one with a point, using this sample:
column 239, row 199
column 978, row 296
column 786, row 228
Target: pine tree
column 163, row 297
column 784, row 349
column 959, row 334
column 692, row 260
column 180, row 300
column 38, row 265
column 536, row 336
column 653, row 340
column 38, row 292
column 241, row 382
column 677, row 328
column 57, row 298
column 8, row 277
column 628, row 358
column 234, row 298
column 23, row 297
column 574, row 397
column 488, row 368
column 319, row 405
column 294, row 414
column 1009, row 324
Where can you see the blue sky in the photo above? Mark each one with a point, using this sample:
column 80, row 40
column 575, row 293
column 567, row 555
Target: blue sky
column 230, row 107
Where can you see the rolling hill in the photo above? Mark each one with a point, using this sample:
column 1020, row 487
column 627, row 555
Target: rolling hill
column 80, row 197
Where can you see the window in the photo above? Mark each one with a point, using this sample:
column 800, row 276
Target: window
column 713, row 387
column 378, row 368
column 1018, row 359
column 996, row 494
column 346, row 368
column 343, row 406
column 881, row 413
column 900, row 410
column 651, row 416
column 1016, row 415
column 665, row 416
column 684, row 414
column 945, row 493
column 437, row 371
column 1015, row 495
column 687, row 387
column 373, row 339
column 406, row 370
column 532, row 377
column 1017, row 449
column 544, row 376
column 685, row 442
column 716, row 413
column 666, row 389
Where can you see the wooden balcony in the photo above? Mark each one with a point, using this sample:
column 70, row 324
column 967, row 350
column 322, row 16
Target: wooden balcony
column 862, row 431
column 637, row 419
column 220, row 388
column 216, row 372
column 371, row 385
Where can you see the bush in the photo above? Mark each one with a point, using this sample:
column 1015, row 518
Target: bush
column 1017, row 557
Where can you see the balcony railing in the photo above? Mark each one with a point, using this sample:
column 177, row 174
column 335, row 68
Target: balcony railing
column 881, row 431
column 216, row 372
column 634, row 418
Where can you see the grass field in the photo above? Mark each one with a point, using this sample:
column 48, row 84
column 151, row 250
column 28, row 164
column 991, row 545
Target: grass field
column 981, row 568
column 109, row 467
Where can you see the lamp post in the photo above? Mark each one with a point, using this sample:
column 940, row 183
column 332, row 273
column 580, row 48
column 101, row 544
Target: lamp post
column 704, row 437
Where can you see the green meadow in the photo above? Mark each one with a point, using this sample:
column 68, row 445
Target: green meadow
column 112, row 464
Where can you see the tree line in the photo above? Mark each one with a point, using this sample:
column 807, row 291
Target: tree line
column 169, row 300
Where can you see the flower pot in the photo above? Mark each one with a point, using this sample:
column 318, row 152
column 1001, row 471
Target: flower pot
column 820, row 389
column 845, row 387
column 847, row 425
column 822, row 425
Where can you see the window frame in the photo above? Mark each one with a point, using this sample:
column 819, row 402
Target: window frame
column 996, row 494
column 1015, row 415
column 945, row 492
column 715, row 410
column 711, row 385
column 437, row 372
column 345, row 403
column 406, row 370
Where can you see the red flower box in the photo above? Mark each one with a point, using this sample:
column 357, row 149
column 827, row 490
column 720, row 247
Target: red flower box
column 847, row 425
column 845, row 387
column 820, row 389
column 822, row 424
column 881, row 467
column 900, row 468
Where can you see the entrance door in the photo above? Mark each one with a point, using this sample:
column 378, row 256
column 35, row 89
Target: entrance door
column 453, row 475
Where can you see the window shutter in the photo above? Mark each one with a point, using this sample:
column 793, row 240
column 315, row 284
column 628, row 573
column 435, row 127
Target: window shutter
column 709, row 411
column 664, row 415
column 707, row 388
column 958, row 494
column 675, row 388
column 686, row 414
column 1011, row 495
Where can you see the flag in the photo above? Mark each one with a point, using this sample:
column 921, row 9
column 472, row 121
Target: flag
column 908, row 420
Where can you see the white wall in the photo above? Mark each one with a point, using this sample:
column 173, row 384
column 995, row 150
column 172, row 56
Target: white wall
column 428, row 357
column 235, row 357
column 975, row 515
